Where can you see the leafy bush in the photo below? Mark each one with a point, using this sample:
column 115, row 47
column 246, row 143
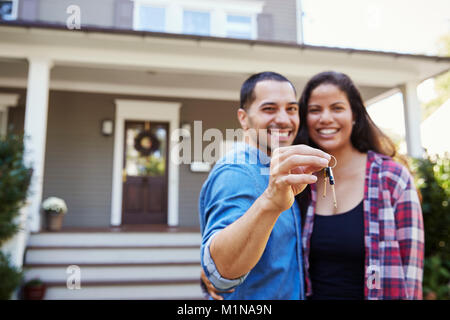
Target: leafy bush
column 436, row 283
column 10, row 277
column 14, row 182
column 15, row 179
column 433, row 181
column 34, row 283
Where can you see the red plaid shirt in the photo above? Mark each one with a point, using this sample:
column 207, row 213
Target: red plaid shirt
column 393, row 232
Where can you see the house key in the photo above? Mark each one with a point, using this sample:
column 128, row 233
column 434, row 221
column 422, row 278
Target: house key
column 328, row 175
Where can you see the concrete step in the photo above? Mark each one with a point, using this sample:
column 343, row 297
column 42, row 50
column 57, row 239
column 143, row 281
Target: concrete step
column 150, row 290
column 114, row 272
column 126, row 239
column 122, row 265
column 105, row 255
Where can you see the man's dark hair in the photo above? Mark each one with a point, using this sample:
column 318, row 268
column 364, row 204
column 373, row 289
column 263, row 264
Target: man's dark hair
column 248, row 87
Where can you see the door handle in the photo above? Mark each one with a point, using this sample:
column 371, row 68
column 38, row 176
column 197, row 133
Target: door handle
column 124, row 175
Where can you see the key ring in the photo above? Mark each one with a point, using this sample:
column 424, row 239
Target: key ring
column 335, row 162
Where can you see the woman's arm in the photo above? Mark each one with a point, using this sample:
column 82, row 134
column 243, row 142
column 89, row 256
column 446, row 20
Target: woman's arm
column 410, row 233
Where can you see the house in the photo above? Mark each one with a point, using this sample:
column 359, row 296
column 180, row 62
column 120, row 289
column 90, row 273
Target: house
column 83, row 79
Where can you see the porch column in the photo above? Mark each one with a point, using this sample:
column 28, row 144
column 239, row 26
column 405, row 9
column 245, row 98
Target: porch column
column 6, row 100
column 36, row 132
column 412, row 111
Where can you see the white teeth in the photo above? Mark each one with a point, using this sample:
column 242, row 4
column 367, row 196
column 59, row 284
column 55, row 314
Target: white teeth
column 328, row 131
column 280, row 134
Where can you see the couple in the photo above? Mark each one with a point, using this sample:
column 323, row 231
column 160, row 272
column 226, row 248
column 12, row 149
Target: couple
column 279, row 235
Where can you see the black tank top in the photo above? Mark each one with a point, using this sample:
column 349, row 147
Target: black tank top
column 337, row 256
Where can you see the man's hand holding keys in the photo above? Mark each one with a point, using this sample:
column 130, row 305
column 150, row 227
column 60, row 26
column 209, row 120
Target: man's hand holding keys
column 291, row 170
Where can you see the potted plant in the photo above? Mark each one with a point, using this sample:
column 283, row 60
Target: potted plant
column 55, row 209
column 34, row 290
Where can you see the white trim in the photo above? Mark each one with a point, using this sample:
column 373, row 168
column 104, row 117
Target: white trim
column 143, row 110
column 203, row 56
column 144, row 90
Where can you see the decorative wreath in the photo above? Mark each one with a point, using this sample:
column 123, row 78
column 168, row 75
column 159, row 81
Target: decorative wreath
column 146, row 143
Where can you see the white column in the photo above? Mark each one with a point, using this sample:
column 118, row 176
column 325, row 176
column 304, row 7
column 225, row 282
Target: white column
column 412, row 111
column 36, row 132
column 6, row 100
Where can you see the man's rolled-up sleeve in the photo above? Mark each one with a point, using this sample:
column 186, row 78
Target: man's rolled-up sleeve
column 226, row 197
column 213, row 274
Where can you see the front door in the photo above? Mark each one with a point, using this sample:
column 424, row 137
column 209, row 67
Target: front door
column 144, row 174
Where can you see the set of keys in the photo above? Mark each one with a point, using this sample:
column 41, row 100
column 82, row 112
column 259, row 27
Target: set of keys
column 328, row 175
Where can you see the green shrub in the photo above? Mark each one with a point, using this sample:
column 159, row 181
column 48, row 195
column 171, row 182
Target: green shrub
column 436, row 284
column 15, row 179
column 14, row 182
column 10, row 277
column 433, row 182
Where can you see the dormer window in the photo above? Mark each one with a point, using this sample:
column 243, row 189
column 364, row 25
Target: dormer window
column 232, row 19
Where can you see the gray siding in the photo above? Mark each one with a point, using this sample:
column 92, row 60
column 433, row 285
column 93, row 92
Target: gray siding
column 28, row 9
column 278, row 21
column 95, row 13
column 123, row 14
column 214, row 114
column 79, row 159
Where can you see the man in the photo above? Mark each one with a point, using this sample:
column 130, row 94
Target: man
column 250, row 221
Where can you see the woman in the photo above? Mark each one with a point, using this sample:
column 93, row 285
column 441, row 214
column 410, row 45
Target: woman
column 371, row 244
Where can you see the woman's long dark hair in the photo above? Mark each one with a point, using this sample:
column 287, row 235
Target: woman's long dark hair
column 365, row 134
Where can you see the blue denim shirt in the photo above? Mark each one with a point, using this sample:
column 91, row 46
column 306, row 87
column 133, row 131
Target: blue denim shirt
column 233, row 185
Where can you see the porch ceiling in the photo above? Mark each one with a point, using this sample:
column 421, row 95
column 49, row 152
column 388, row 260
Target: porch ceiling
column 158, row 83
column 193, row 67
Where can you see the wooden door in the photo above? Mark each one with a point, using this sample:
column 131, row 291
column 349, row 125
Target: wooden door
column 144, row 175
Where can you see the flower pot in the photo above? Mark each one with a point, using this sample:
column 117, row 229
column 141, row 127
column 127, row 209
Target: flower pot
column 36, row 292
column 54, row 221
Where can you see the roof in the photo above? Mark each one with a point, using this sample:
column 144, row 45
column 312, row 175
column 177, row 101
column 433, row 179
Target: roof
column 97, row 29
column 137, row 61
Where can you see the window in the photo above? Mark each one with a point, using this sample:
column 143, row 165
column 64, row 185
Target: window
column 8, row 10
column 239, row 27
column 198, row 23
column 151, row 18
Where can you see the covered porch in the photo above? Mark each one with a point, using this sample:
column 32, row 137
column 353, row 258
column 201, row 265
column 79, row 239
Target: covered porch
column 90, row 75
